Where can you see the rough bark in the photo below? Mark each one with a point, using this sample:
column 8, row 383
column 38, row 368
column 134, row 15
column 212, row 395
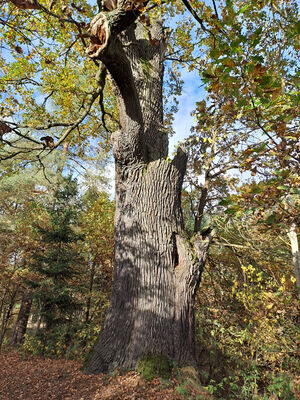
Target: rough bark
column 200, row 208
column 156, row 269
column 22, row 320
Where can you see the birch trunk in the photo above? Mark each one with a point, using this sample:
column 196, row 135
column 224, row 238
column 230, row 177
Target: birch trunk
column 295, row 253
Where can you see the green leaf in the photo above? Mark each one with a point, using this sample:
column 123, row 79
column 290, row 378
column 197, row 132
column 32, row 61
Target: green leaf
column 266, row 81
column 259, row 59
column 231, row 211
column 260, row 148
column 243, row 9
column 282, row 187
column 271, row 219
column 226, row 201
column 256, row 189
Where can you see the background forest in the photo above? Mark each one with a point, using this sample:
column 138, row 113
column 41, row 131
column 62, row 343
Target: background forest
column 242, row 182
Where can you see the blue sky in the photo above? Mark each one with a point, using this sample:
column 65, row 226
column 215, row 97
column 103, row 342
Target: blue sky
column 183, row 121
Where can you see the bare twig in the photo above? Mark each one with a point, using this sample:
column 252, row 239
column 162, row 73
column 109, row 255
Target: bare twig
column 197, row 18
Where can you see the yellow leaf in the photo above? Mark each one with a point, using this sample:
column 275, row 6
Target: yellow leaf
column 215, row 86
column 281, row 128
column 228, row 62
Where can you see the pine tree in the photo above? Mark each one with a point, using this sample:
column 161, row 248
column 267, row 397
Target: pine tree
column 58, row 261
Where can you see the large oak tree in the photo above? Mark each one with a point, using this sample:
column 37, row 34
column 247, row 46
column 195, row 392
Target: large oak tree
column 156, row 269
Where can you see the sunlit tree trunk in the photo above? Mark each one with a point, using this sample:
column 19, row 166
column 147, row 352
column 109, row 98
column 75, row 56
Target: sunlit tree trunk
column 156, row 269
column 295, row 253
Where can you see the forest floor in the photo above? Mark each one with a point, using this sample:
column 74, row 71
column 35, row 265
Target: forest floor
column 36, row 378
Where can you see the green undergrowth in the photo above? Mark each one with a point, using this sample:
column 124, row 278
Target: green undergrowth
column 155, row 365
column 159, row 366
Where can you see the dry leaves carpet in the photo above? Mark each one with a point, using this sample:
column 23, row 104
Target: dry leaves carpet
column 35, row 378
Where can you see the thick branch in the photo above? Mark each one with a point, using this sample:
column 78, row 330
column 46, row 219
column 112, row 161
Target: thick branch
column 105, row 46
column 180, row 161
column 200, row 208
column 192, row 258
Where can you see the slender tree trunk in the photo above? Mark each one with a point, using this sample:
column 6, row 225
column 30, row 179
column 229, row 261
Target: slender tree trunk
column 7, row 312
column 295, row 253
column 200, row 208
column 156, row 269
column 88, row 303
column 3, row 299
column 62, row 160
column 22, row 320
column 38, row 326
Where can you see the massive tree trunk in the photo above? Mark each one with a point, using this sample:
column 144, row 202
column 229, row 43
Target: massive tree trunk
column 156, row 268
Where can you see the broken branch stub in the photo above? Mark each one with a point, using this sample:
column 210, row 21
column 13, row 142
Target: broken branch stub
column 4, row 128
column 26, row 4
column 99, row 34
